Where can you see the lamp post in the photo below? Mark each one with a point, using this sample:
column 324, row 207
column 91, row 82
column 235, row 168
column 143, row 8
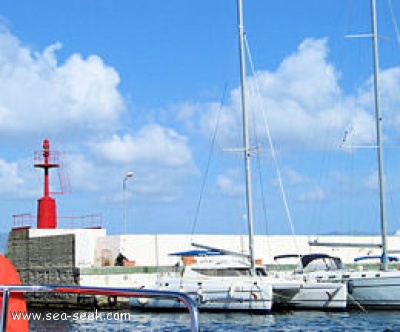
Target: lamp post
column 127, row 176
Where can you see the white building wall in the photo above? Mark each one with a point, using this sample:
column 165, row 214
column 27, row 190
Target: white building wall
column 153, row 249
column 94, row 248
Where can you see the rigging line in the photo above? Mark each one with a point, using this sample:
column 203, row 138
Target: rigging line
column 212, row 145
column 261, row 178
column 396, row 28
column 273, row 154
column 263, row 202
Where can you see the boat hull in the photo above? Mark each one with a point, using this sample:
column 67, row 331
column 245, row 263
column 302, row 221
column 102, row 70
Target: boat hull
column 212, row 295
column 321, row 296
column 367, row 289
column 375, row 289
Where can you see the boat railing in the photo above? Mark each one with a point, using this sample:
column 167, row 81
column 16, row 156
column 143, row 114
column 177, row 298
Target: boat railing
column 107, row 291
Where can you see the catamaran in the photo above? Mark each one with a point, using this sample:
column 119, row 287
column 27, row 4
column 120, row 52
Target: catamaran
column 213, row 268
column 216, row 283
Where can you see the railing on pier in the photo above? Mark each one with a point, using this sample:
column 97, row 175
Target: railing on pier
column 108, row 291
column 86, row 221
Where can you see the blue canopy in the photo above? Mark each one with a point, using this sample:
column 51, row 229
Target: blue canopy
column 390, row 258
column 196, row 252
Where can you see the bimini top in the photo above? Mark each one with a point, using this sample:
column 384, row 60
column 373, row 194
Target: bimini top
column 308, row 258
column 197, row 252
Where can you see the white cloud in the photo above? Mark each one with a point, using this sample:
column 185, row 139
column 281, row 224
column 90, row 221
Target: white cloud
column 9, row 178
column 296, row 77
column 39, row 95
column 389, row 101
column 83, row 174
column 19, row 180
column 152, row 144
column 301, row 102
column 74, row 103
column 159, row 157
column 389, row 88
column 152, row 179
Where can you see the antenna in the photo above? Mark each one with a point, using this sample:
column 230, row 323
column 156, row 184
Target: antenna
column 54, row 158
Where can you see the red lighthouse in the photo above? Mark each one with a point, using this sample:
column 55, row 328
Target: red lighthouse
column 47, row 210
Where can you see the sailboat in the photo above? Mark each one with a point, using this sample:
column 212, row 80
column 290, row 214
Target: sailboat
column 379, row 289
column 218, row 285
column 289, row 293
column 222, row 280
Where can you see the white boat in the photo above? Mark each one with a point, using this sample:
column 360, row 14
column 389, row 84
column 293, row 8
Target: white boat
column 379, row 289
column 294, row 291
column 262, row 291
column 241, row 291
column 216, row 284
column 376, row 289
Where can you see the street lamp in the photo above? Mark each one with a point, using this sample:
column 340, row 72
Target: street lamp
column 127, row 176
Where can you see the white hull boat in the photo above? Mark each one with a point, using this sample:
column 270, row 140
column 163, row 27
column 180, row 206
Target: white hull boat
column 214, row 287
column 374, row 289
column 367, row 289
column 247, row 295
column 223, row 284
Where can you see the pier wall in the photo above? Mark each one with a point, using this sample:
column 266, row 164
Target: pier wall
column 44, row 256
column 44, row 260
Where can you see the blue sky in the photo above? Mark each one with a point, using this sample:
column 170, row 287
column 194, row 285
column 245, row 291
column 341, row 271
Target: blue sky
column 139, row 85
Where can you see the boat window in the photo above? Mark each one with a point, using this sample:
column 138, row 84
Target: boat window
column 225, row 272
column 206, row 272
column 233, row 272
column 324, row 264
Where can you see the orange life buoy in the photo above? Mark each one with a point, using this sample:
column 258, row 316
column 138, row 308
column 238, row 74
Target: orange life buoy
column 16, row 303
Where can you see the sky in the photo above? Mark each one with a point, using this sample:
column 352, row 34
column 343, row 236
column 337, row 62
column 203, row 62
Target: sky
column 152, row 87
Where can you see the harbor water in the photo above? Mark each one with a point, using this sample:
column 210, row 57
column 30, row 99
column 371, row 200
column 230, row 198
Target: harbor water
column 57, row 320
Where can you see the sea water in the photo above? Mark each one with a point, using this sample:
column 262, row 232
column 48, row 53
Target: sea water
column 57, row 320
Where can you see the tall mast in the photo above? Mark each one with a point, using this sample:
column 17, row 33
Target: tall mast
column 246, row 147
column 378, row 124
